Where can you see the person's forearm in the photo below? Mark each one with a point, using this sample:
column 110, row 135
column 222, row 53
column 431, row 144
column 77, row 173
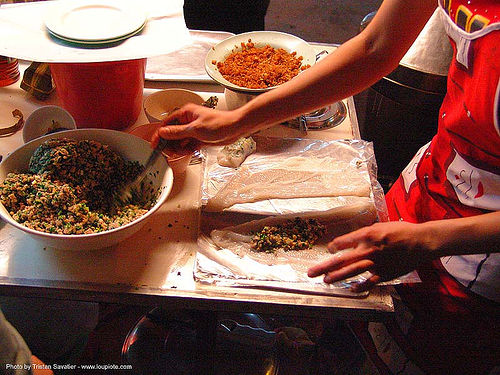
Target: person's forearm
column 354, row 66
column 469, row 235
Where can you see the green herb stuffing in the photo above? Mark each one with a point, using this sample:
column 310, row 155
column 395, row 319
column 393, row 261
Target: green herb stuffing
column 70, row 187
column 297, row 234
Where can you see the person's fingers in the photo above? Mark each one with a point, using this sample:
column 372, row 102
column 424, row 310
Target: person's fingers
column 177, row 125
column 334, row 263
column 349, row 270
column 321, row 268
column 338, row 261
column 176, row 131
column 183, row 115
column 347, row 240
column 368, row 284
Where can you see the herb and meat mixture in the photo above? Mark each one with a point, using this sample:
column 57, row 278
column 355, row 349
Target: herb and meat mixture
column 70, row 187
column 260, row 67
column 297, row 234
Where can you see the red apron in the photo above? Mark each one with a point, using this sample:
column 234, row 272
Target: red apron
column 458, row 174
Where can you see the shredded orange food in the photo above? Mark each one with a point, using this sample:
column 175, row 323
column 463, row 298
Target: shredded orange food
column 260, row 67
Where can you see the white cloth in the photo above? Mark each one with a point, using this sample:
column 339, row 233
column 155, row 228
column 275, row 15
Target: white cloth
column 24, row 35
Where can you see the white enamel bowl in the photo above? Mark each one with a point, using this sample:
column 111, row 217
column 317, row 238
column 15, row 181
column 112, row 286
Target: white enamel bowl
column 127, row 145
column 160, row 103
column 275, row 39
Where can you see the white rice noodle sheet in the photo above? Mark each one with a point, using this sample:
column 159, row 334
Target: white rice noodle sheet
column 340, row 220
column 293, row 177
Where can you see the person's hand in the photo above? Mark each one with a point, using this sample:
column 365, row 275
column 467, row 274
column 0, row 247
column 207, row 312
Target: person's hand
column 200, row 125
column 386, row 250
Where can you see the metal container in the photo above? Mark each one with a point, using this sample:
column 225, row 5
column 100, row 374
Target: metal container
column 400, row 112
column 167, row 342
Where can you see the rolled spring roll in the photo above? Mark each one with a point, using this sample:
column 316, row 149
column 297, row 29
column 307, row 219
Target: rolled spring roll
column 234, row 155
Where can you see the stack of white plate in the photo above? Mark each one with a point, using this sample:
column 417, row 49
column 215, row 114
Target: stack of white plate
column 95, row 22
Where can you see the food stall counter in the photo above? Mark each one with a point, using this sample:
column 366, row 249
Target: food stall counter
column 155, row 266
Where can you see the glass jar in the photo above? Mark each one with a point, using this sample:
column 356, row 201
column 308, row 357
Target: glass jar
column 9, row 70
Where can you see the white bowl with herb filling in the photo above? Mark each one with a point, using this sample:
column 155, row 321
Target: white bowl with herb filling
column 64, row 208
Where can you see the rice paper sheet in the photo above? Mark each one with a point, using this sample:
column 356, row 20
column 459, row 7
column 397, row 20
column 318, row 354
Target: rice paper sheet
column 290, row 175
column 336, row 221
column 225, row 255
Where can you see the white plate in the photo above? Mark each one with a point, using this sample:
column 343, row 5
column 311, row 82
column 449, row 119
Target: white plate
column 87, row 21
column 275, row 39
column 96, row 43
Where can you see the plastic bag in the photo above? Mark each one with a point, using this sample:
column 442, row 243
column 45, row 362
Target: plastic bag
column 287, row 175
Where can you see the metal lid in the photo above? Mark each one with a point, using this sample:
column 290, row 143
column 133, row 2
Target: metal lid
column 323, row 118
column 425, row 65
column 431, row 83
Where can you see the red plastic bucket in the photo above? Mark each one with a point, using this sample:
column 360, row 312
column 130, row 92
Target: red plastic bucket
column 101, row 95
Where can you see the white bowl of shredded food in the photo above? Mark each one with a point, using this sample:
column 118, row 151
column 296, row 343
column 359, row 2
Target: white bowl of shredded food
column 60, row 188
column 256, row 62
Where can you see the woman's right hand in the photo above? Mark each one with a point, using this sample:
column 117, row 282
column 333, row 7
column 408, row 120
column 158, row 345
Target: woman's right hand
column 195, row 124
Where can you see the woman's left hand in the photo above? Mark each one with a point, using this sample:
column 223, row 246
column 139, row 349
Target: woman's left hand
column 386, row 250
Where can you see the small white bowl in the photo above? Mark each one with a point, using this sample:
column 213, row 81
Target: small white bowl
column 46, row 120
column 159, row 104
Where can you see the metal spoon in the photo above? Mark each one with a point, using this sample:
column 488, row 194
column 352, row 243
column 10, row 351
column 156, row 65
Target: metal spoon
column 125, row 194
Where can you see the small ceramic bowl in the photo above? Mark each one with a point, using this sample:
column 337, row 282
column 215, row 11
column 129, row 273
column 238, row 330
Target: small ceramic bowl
column 159, row 104
column 46, row 120
column 178, row 162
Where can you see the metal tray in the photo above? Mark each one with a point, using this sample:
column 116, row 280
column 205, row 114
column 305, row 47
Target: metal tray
column 187, row 64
